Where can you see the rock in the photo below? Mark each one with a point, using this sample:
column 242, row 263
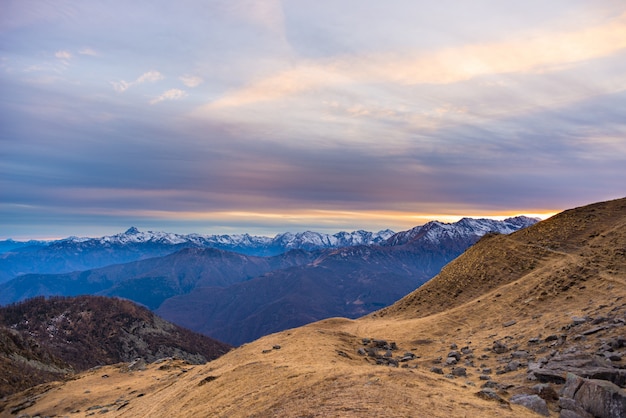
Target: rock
column 509, row 323
column 437, row 370
column 455, row 354
column 380, row 343
column 520, row 354
column 490, row 395
column 484, row 377
column 594, row 330
column 535, row 340
column 276, row 347
column 532, row 402
column 570, row 409
column 598, row 397
column 361, row 351
column 138, row 364
column 546, row 392
column 453, row 346
column 366, row 341
column 388, row 354
column 499, row 347
column 343, row 354
column 466, row 350
column 601, row 398
column 581, row 364
column 577, row 320
column 549, row 376
column 617, row 342
column 459, row 371
column 512, row 366
column 451, row 361
column 551, row 338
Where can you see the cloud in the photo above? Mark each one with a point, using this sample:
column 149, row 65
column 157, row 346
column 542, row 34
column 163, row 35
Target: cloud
column 88, row 51
column 191, row 80
column 172, row 94
column 544, row 53
column 150, row 76
column 63, row 55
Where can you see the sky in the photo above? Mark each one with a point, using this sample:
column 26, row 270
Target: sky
column 266, row 116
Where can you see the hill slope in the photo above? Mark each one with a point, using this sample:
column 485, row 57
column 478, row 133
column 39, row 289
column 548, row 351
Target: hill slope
column 44, row 339
column 535, row 305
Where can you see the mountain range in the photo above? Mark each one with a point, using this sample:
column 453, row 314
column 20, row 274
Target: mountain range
column 521, row 325
column 74, row 253
column 237, row 298
column 77, row 254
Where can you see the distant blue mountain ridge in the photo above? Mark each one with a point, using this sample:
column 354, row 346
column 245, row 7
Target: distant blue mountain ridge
column 83, row 253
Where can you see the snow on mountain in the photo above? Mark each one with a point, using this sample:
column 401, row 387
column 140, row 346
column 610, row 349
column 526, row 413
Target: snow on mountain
column 244, row 243
column 436, row 232
column 265, row 246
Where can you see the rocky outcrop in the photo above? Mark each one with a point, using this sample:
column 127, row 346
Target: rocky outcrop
column 599, row 398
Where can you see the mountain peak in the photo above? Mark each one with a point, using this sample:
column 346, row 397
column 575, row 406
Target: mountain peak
column 131, row 231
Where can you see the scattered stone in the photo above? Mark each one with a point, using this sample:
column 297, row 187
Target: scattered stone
column 484, row 377
column 343, row 354
column 512, row 366
column 487, row 370
column 551, row 338
column 520, row 354
column 535, row 340
column 454, row 354
column 532, row 402
column 459, row 371
column 499, row 347
column 361, row 351
column 380, row 343
column 466, row 350
column 509, row 323
column 366, row 341
column 202, row 382
column 450, row 361
column 453, row 346
column 594, row 330
column 490, row 395
column 577, row 320
column 276, row 347
column 437, row 370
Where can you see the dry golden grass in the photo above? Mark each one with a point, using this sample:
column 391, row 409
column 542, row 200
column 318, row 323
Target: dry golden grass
column 571, row 265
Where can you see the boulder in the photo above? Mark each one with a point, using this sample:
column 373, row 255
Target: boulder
column 600, row 398
column 532, row 402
